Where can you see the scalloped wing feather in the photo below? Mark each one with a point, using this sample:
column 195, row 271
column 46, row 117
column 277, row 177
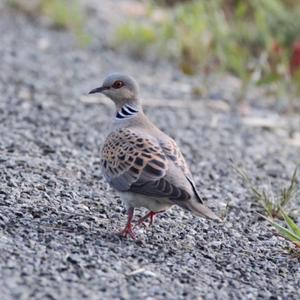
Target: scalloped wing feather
column 127, row 158
column 132, row 162
column 173, row 153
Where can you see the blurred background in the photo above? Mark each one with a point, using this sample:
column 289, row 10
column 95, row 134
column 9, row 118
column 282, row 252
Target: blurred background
column 256, row 41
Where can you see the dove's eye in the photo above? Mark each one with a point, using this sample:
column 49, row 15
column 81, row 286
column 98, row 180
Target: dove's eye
column 118, row 84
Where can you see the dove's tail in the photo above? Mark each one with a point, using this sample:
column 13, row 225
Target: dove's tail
column 197, row 207
column 201, row 210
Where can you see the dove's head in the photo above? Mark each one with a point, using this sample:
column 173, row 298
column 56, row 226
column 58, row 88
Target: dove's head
column 120, row 88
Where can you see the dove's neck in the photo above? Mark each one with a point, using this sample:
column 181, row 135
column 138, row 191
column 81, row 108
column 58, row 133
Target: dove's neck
column 131, row 115
column 127, row 111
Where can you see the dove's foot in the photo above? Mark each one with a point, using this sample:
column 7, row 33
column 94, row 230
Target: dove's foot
column 128, row 228
column 128, row 231
column 150, row 215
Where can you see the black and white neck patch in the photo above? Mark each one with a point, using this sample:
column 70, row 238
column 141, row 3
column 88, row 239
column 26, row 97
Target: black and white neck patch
column 127, row 111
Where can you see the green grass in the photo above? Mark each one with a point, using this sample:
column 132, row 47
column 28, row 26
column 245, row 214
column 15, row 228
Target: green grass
column 145, row 33
column 276, row 207
column 272, row 206
column 291, row 232
column 63, row 14
column 250, row 39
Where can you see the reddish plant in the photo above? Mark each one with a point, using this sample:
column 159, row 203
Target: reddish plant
column 295, row 58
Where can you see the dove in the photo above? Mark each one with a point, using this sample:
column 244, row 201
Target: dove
column 143, row 163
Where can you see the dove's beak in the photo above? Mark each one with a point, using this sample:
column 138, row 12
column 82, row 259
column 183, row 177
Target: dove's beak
column 98, row 90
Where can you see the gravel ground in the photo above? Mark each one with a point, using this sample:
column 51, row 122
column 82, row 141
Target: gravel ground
column 58, row 218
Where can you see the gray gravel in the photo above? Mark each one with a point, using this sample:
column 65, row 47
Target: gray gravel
column 58, row 218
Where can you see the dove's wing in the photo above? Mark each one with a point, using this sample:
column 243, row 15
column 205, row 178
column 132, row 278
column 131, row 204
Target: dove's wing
column 173, row 153
column 132, row 161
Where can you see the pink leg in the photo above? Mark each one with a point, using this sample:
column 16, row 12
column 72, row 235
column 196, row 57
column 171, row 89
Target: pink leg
column 149, row 215
column 128, row 228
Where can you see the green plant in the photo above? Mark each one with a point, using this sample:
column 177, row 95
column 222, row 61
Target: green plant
column 291, row 233
column 246, row 38
column 140, row 36
column 271, row 206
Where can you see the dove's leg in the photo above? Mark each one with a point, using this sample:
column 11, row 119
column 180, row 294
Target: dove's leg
column 128, row 228
column 149, row 215
column 142, row 220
